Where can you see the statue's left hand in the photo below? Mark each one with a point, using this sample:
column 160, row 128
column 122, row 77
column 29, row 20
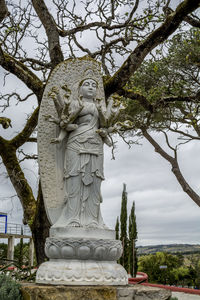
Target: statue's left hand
column 102, row 132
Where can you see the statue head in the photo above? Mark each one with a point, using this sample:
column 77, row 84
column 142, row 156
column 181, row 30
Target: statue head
column 88, row 88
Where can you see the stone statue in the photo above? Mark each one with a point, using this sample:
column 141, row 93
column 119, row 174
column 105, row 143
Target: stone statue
column 74, row 124
column 83, row 158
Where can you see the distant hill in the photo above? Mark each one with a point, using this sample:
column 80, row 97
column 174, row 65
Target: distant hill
column 171, row 248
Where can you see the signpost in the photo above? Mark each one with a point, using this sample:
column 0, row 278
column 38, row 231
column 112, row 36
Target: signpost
column 163, row 267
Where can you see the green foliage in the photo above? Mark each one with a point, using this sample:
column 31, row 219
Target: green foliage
column 21, row 253
column 150, row 264
column 132, row 240
column 9, row 289
column 123, row 215
column 129, row 256
column 3, row 251
column 181, row 270
column 175, row 74
column 123, row 236
column 117, row 229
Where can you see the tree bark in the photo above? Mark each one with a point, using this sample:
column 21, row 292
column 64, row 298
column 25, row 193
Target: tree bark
column 49, row 24
column 17, row 177
column 4, row 10
column 20, row 70
column 40, row 228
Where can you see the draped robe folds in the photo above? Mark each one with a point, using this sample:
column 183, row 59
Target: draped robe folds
column 83, row 173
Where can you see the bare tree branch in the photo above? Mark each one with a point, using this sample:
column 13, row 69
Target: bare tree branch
column 10, row 64
column 179, row 99
column 140, row 98
column 193, row 22
column 22, row 137
column 5, row 122
column 183, row 133
column 26, row 156
column 175, row 167
column 189, row 19
column 31, row 140
column 49, row 24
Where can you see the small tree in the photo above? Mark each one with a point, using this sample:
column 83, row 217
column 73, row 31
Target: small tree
column 123, row 236
column 21, row 253
column 132, row 241
column 3, row 250
column 117, row 229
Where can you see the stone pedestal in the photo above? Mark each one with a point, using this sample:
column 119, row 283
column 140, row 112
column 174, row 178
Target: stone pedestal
column 82, row 256
column 129, row 292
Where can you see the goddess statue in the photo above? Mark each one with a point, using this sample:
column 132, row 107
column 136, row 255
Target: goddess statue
column 72, row 131
column 83, row 159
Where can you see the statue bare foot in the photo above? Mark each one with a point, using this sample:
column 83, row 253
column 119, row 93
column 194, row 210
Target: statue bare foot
column 74, row 224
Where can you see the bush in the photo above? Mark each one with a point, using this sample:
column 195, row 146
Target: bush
column 9, row 289
column 173, row 298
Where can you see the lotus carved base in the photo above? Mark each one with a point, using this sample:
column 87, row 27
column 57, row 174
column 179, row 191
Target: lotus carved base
column 81, row 272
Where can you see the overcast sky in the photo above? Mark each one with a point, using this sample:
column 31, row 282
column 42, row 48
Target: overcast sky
column 165, row 214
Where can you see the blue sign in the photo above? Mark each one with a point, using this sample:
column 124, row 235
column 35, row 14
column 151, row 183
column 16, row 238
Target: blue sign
column 4, row 215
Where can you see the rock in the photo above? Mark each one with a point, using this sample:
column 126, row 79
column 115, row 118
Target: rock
column 150, row 293
column 130, row 292
column 42, row 292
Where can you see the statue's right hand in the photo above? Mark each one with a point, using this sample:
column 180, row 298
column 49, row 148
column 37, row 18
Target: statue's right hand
column 55, row 141
column 71, row 127
column 53, row 92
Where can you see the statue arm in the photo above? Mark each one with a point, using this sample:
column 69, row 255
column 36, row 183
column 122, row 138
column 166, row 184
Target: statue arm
column 60, row 138
column 55, row 96
column 104, row 133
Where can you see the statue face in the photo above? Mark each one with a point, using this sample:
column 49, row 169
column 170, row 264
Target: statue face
column 88, row 89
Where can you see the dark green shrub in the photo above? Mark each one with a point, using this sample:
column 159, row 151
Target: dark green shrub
column 173, row 298
column 9, row 289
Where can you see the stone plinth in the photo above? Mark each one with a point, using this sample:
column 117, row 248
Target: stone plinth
column 130, row 292
column 82, row 256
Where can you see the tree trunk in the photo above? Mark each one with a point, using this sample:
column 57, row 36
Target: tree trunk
column 40, row 228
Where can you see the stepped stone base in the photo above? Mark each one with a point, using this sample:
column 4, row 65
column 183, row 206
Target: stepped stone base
column 81, row 272
column 129, row 292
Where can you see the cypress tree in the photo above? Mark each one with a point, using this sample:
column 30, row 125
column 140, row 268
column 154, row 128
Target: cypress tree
column 20, row 258
column 124, row 261
column 132, row 241
column 117, row 229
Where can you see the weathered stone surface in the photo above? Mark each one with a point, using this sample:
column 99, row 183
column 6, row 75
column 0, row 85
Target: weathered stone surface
column 130, row 292
column 150, row 293
column 125, row 293
column 37, row 292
